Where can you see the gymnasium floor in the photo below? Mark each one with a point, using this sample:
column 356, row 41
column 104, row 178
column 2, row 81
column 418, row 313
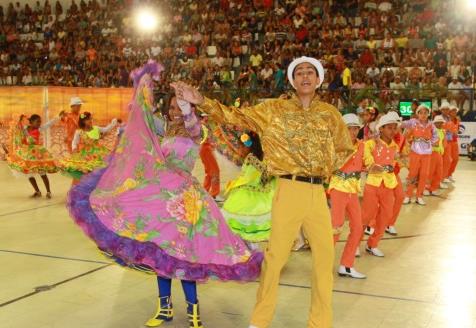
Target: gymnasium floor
column 52, row 276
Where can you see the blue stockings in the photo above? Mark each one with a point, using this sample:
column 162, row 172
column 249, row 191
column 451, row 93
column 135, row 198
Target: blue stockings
column 189, row 289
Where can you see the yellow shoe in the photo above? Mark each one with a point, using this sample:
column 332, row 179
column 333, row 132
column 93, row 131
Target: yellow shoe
column 193, row 313
column 165, row 313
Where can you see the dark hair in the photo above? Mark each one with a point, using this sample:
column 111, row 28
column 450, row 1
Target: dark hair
column 314, row 67
column 375, row 114
column 22, row 116
column 34, row 118
column 83, row 118
column 255, row 147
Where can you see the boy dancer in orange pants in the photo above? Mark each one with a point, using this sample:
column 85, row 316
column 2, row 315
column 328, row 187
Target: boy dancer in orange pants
column 449, row 130
column 398, row 193
column 380, row 158
column 344, row 188
column 436, row 165
column 453, row 143
column 211, row 182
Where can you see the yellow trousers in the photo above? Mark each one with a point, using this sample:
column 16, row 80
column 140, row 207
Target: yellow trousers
column 298, row 204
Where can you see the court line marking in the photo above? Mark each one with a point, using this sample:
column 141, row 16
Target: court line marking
column 53, row 256
column 31, row 209
column 41, row 289
column 361, row 294
column 391, row 238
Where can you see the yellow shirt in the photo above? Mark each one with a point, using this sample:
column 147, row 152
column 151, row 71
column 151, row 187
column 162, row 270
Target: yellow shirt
column 354, row 164
column 307, row 142
column 385, row 154
column 346, row 77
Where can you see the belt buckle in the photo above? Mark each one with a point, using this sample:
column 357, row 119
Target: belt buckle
column 311, row 180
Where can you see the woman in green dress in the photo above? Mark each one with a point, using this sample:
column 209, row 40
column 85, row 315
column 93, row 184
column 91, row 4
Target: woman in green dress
column 247, row 208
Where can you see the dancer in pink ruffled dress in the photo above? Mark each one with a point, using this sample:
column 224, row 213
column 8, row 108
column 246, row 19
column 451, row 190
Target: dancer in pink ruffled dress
column 147, row 211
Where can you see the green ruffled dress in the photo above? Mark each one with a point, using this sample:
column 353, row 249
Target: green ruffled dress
column 247, row 208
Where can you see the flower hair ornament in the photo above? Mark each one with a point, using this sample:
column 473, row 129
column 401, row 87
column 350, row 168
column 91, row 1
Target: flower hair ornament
column 246, row 140
column 82, row 116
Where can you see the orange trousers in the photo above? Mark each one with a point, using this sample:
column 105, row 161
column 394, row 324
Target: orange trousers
column 377, row 203
column 436, row 171
column 212, row 171
column 398, row 195
column 454, row 157
column 418, row 173
column 347, row 203
column 447, row 159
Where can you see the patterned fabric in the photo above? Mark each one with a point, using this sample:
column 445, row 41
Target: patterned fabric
column 89, row 156
column 421, row 135
column 147, row 210
column 380, row 153
column 439, row 148
column 27, row 155
column 226, row 139
column 347, row 178
column 247, row 208
column 310, row 141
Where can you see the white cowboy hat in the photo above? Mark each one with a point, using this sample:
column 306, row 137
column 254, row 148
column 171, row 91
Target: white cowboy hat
column 439, row 119
column 454, row 108
column 445, row 104
column 422, row 107
column 387, row 119
column 395, row 116
column 75, row 101
column 351, row 120
column 313, row 61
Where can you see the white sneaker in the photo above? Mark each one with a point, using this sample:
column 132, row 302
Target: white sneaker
column 420, row 201
column 451, row 179
column 443, row 186
column 435, row 193
column 446, row 180
column 391, row 230
column 357, row 252
column 374, row 251
column 350, row 272
column 426, row 193
column 406, row 201
column 369, row 231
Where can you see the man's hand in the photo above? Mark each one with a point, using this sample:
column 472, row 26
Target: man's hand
column 376, row 168
column 186, row 92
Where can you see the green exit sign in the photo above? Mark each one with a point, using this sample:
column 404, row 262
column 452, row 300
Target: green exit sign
column 405, row 106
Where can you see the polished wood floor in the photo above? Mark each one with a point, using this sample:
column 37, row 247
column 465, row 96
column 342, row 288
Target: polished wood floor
column 52, row 276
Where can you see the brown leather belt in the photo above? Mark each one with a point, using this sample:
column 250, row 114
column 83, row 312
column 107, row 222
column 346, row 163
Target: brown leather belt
column 311, row 180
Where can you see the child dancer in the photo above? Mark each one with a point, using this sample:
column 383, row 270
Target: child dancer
column 450, row 129
column 88, row 154
column 422, row 134
column 379, row 158
column 398, row 193
column 28, row 156
column 402, row 161
column 71, row 121
column 453, row 143
column 436, row 165
column 247, row 208
column 344, row 188
column 212, row 170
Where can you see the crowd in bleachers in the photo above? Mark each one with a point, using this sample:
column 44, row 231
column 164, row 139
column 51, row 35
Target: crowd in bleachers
column 403, row 48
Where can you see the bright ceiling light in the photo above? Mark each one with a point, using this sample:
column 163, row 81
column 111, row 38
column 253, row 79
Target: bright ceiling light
column 146, row 20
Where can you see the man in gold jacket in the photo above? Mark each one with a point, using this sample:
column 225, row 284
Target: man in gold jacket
column 304, row 140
